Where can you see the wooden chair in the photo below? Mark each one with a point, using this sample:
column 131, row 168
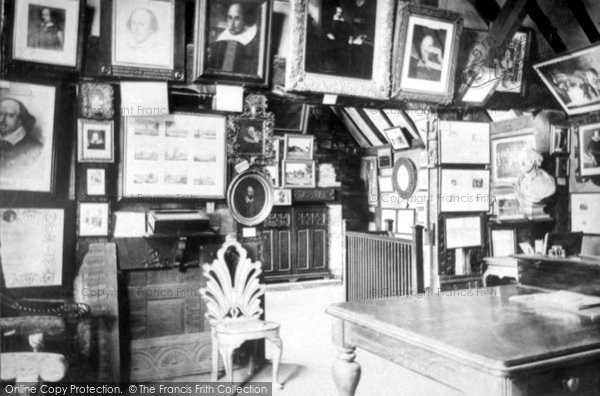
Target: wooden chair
column 233, row 309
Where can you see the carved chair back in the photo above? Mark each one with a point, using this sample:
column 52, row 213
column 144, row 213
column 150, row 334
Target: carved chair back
column 228, row 299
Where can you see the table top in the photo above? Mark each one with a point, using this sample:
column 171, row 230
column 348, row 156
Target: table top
column 480, row 325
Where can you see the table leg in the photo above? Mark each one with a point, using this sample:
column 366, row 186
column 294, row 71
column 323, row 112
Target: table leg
column 346, row 372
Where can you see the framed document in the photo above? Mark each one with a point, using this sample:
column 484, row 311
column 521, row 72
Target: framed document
column 585, row 213
column 28, row 159
column 141, row 39
column 93, row 219
column 180, row 155
column 464, row 142
column 463, row 232
column 464, row 190
column 45, row 268
column 46, row 34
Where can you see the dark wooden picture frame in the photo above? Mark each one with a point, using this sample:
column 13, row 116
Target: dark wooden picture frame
column 118, row 18
column 251, row 64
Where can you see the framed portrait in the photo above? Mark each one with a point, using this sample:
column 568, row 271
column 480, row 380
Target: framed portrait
column 464, row 231
column 181, row 155
column 95, row 181
column 464, row 142
column 507, row 153
column 507, row 207
column 93, row 219
column 464, row 190
column 96, row 100
column 341, row 47
column 299, row 147
column 273, row 174
column 573, row 79
column 141, row 39
column 299, row 174
column 95, row 141
column 396, row 138
column 233, row 40
column 589, row 149
column 289, row 117
column 282, row 197
column 405, row 221
column 250, row 198
column 28, row 160
column 425, row 53
column 585, row 213
column 503, row 242
column 384, row 157
column 47, row 267
column 46, row 34
column 562, row 167
column 560, row 136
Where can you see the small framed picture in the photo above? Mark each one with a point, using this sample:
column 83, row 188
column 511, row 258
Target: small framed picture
column 589, row 149
column 299, row 147
column 141, row 39
column 93, row 219
column 396, row 138
column 233, row 41
column 405, row 221
column 464, row 231
column 503, row 242
column 95, row 141
column 96, row 100
column 384, row 157
column 95, row 181
column 507, row 153
column 561, row 139
column 47, row 32
column 250, row 135
column 562, row 167
column 289, row 117
column 299, row 174
column 273, row 174
column 282, row 197
column 250, row 198
column 585, row 213
column 507, row 207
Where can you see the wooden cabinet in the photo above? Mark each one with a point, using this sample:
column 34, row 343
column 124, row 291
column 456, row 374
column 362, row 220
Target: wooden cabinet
column 295, row 243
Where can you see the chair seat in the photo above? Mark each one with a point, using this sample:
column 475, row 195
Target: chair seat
column 29, row 366
column 245, row 326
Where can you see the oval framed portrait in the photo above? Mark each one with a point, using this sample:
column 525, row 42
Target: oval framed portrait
column 250, row 198
column 404, row 177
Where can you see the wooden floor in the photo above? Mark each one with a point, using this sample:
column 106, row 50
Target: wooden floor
column 308, row 352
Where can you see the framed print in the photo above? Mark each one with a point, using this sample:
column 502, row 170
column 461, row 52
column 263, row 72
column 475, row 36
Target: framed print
column 507, row 153
column 384, row 157
column 425, row 53
column 463, row 232
column 233, row 40
column 562, row 167
column 299, row 174
column 507, row 207
column 179, row 155
column 93, row 219
column 250, row 198
column 585, row 213
column 282, row 197
column 396, row 138
column 560, row 136
column 28, row 128
column 140, row 39
column 289, row 117
column 95, row 141
column 273, row 174
column 46, row 34
column 464, row 142
column 96, row 100
column 503, row 242
column 386, row 184
column 464, row 190
column 299, row 147
column 589, row 149
column 405, row 221
column 573, row 79
column 341, row 48
column 95, row 181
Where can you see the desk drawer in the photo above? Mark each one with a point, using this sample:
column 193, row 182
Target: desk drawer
column 573, row 380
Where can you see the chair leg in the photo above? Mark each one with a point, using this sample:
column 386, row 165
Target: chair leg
column 252, row 365
column 227, row 354
column 277, row 358
column 215, row 357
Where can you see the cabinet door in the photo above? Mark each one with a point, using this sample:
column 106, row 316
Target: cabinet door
column 277, row 243
column 311, row 224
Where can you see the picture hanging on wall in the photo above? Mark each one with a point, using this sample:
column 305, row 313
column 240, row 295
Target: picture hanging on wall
column 461, row 232
column 507, row 154
column 589, row 149
column 299, row 174
column 464, row 142
column 250, row 198
column 95, row 141
column 299, row 147
column 93, row 219
column 560, row 139
column 282, row 197
column 464, row 190
column 585, row 213
column 95, row 181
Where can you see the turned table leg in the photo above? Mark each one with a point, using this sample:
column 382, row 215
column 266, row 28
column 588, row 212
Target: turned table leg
column 346, row 372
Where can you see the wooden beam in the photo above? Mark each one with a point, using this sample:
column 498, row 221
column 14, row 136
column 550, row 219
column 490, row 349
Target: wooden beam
column 430, row 3
column 582, row 16
column 508, row 21
column 488, row 10
column 545, row 27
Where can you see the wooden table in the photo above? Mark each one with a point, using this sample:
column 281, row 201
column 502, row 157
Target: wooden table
column 502, row 267
column 475, row 342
